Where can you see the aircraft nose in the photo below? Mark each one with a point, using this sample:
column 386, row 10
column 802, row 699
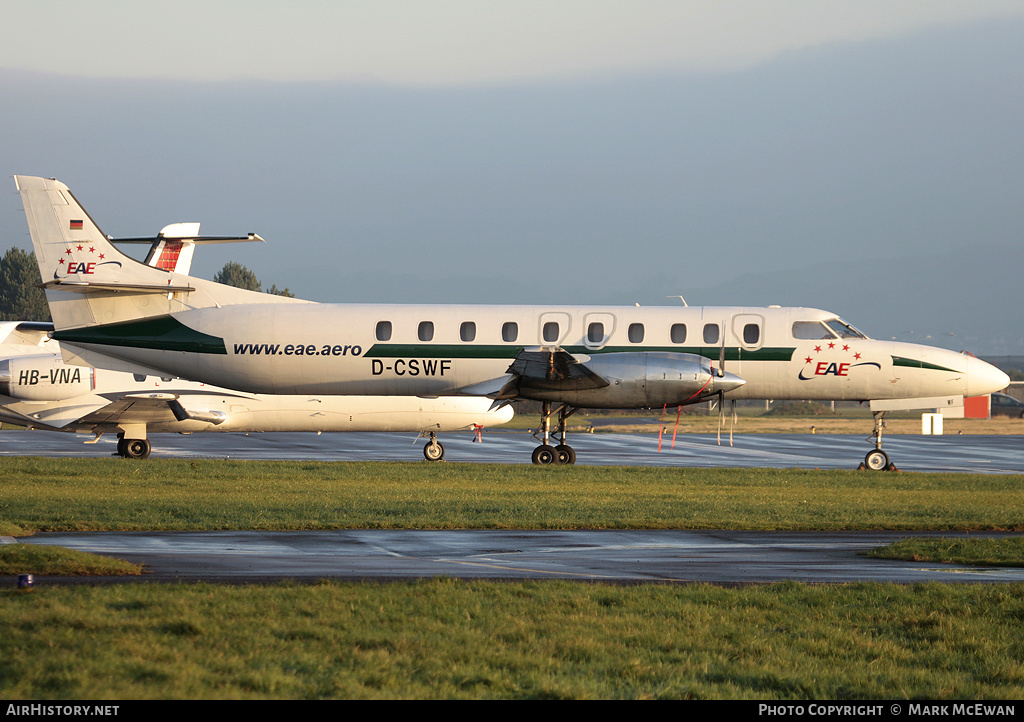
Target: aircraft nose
column 984, row 378
column 728, row 381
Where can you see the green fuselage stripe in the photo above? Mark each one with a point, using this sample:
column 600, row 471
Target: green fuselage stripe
column 915, row 364
column 162, row 333
column 489, row 351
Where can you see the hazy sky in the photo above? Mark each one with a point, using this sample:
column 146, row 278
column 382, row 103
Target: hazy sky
column 863, row 157
column 444, row 41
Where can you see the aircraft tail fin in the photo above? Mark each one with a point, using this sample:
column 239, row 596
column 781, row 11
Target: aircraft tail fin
column 88, row 281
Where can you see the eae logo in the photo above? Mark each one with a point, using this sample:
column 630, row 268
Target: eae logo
column 814, row 367
column 69, row 266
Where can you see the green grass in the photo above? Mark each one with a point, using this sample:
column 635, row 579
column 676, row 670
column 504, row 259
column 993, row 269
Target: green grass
column 34, row 559
column 504, row 640
column 115, row 494
column 993, row 552
column 445, row 639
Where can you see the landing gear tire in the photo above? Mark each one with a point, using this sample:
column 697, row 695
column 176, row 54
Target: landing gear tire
column 134, row 448
column 566, row 455
column 545, row 455
column 433, row 451
column 877, row 460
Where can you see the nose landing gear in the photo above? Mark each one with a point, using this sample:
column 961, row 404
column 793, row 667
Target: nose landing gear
column 876, row 459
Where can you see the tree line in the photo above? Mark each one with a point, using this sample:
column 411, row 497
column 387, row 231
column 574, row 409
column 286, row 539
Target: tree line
column 22, row 298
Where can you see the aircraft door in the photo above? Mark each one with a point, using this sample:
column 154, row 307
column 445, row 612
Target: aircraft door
column 748, row 329
column 597, row 329
column 554, row 327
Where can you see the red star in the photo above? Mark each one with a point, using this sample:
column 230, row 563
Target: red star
column 817, row 349
column 831, row 345
column 80, row 248
column 102, row 256
column 60, row 262
column 67, row 252
column 808, row 359
column 857, row 356
column 92, row 249
column 846, row 347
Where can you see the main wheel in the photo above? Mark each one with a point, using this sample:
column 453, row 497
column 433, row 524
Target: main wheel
column 566, row 454
column 877, row 460
column 433, row 451
column 136, row 448
column 545, row 454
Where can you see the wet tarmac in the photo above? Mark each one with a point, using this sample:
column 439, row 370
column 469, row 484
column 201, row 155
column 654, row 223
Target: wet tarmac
column 723, row 557
column 966, row 453
column 613, row 556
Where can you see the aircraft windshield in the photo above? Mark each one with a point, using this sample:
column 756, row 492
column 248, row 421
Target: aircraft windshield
column 843, row 329
column 833, row 328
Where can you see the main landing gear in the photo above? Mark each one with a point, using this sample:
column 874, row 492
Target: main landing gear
column 560, row 453
column 878, row 460
column 133, row 448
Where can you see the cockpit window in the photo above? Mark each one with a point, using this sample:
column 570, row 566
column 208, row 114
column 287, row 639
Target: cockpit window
column 843, row 329
column 811, row 330
column 833, row 328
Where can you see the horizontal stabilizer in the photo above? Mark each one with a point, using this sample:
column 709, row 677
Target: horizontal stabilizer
column 126, row 288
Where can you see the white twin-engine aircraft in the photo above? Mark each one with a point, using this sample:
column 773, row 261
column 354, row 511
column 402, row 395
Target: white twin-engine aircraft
column 111, row 311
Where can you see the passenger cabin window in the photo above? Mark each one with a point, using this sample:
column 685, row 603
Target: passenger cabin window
column 678, row 333
column 509, row 331
column 595, row 333
column 467, row 332
column 751, row 334
column 550, row 332
column 426, row 331
column 383, row 330
column 711, row 333
column 636, row 333
column 139, row 377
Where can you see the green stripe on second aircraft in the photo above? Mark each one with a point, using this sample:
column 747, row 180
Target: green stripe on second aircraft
column 163, row 333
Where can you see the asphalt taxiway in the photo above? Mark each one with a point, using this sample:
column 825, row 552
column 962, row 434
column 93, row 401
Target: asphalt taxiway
column 613, row 556
column 966, row 453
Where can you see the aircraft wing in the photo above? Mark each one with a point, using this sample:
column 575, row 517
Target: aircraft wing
column 56, row 415
column 554, row 369
column 148, row 409
column 539, row 368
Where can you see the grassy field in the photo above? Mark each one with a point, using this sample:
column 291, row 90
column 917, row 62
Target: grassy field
column 445, row 638
column 164, row 494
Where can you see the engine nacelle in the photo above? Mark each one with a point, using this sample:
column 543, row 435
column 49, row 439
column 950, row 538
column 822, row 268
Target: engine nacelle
column 43, row 378
column 641, row 380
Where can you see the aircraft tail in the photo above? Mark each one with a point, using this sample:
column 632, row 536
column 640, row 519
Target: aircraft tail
column 88, row 281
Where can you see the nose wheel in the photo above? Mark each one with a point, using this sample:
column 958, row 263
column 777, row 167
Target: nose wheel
column 433, row 450
column 876, row 459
